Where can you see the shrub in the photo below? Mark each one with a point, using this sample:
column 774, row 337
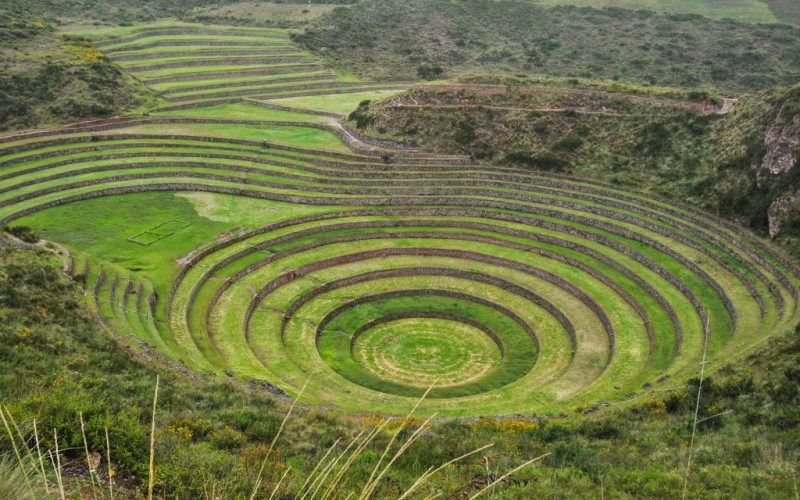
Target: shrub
column 361, row 115
column 227, row 438
column 429, row 72
column 24, row 233
column 569, row 143
column 677, row 401
column 600, row 429
column 545, row 161
column 191, row 428
column 651, row 406
column 264, row 429
column 12, row 481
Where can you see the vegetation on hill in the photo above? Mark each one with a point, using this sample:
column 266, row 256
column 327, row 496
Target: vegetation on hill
column 428, row 39
column 294, row 13
column 258, row 13
column 243, row 247
column 47, row 78
column 57, row 365
column 619, row 285
column 117, row 12
column 749, row 11
column 787, row 11
column 723, row 163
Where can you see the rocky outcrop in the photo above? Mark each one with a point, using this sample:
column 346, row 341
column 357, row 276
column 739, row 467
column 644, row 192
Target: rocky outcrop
column 783, row 143
column 778, row 209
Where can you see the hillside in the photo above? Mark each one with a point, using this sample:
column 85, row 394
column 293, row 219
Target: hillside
column 116, row 12
column 47, row 78
column 401, row 40
column 750, row 11
column 414, row 251
column 57, row 364
column 741, row 165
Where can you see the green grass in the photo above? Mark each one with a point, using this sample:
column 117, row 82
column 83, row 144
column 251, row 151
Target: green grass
column 158, row 232
column 749, row 11
column 178, row 86
column 244, row 111
column 199, row 47
column 456, row 357
column 342, row 104
column 266, row 87
column 105, row 34
column 257, row 86
column 138, row 66
column 292, row 136
column 385, row 39
column 262, row 12
column 101, row 227
column 440, row 292
column 592, row 272
column 199, row 70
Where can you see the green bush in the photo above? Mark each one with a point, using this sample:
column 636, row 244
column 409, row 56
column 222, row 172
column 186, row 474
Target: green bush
column 568, row 144
column 429, row 72
column 227, row 438
column 24, row 233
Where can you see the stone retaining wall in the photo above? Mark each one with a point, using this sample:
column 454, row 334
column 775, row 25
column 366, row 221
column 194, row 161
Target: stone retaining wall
column 177, row 31
column 322, row 76
column 210, row 52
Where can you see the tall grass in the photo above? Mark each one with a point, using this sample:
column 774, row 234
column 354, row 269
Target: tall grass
column 26, row 473
column 13, row 481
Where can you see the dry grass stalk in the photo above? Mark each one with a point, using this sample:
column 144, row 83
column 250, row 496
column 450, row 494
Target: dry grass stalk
column 39, row 452
column 694, row 425
column 86, row 451
column 430, row 472
column 505, row 476
column 319, row 463
column 275, row 491
column 151, row 482
column 16, row 449
column 57, row 467
column 275, row 439
column 110, row 469
column 368, row 488
column 355, row 454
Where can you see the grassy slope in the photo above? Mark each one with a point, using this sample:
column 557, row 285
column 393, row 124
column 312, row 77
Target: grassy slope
column 56, row 362
column 107, row 223
column 48, row 79
column 754, row 446
column 262, row 13
column 787, row 11
column 702, row 159
column 423, row 38
column 749, row 11
column 285, row 13
column 117, row 11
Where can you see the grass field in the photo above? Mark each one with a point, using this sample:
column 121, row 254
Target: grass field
column 429, row 40
column 265, row 12
column 258, row 239
column 748, row 11
column 342, row 104
column 190, row 66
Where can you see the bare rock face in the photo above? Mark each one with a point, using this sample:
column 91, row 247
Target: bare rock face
column 778, row 209
column 783, row 143
column 782, row 140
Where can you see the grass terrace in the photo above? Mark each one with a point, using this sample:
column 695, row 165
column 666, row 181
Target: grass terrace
column 248, row 236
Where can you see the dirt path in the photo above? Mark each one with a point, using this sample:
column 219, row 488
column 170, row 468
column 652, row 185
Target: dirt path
column 503, row 108
column 703, row 107
column 727, row 104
